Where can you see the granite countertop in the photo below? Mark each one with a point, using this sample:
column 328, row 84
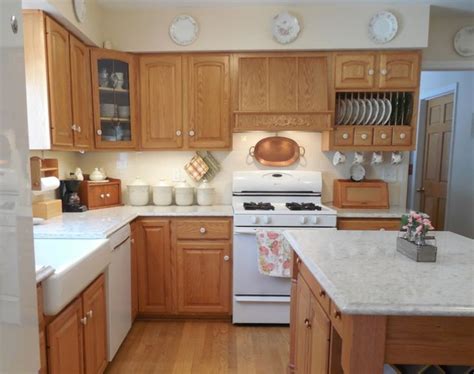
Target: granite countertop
column 364, row 274
column 392, row 212
column 100, row 223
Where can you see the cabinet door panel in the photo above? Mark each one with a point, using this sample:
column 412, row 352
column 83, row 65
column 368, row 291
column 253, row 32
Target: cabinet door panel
column 399, row 70
column 161, row 101
column 203, row 277
column 253, row 80
column 112, row 194
column 313, row 84
column 95, row 331
column 355, row 70
column 208, row 101
column 81, row 94
column 319, row 336
column 303, row 297
column 59, row 81
column 65, row 341
column 96, row 196
column 154, row 267
column 282, row 85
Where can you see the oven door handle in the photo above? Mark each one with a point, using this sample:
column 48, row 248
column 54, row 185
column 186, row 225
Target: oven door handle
column 245, row 230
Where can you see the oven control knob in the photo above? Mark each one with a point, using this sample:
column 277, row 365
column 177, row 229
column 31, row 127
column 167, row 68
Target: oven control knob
column 266, row 220
column 254, row 219
column 303, row 220
column 314, row 220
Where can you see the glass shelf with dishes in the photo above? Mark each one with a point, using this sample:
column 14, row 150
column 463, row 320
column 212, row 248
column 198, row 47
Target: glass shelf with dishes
column 113, row 99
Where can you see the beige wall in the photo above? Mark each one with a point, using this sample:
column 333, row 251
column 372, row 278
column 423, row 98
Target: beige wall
column 152, row 166
column 440, row 54
column 90, row 30
column 248, row 27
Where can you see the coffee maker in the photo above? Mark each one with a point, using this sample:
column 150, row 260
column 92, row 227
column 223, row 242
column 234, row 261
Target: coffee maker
column 68, row 191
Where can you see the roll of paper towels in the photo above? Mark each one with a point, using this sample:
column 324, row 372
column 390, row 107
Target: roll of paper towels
column 49, row 183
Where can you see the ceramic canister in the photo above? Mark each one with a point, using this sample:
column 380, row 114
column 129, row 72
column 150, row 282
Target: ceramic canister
column 162, row 193
column 205, row 193
column 184, row 194
column 138, row 192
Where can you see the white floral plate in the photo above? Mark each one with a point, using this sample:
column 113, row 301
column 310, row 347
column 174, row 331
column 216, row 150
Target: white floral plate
column 285, row 27
column 184, row 30
column 341, row 111
column 368, row 112
column 383, row 27
column 348, row 114
column 464, row 41
column 375, row 111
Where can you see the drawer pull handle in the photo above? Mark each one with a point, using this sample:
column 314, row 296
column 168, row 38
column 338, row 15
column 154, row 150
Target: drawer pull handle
column 178, row 132
column 226, row 258
column 84, row 321
column 345, row 136
column 307, row 324
column 322, row 293
column 102, row 196
column 371, row 71
column 107, row 195
column 364, row 136
column 384, row 71
column 383, row 136
column 191, row 132
column 337, row 314
column 89, row 314
column 202, row 230
column 403, row 135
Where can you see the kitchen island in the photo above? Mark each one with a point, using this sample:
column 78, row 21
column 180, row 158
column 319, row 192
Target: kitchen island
column 357, row 303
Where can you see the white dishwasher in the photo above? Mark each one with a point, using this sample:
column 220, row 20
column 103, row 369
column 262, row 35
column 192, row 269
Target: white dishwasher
column 119, row 298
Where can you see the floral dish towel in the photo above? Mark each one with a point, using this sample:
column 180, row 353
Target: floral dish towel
column 274, row 254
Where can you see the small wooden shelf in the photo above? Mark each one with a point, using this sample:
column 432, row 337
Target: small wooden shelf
column 42, row 167
column 114, row 90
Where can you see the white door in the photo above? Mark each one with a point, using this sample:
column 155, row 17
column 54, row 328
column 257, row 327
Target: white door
column 19, row 341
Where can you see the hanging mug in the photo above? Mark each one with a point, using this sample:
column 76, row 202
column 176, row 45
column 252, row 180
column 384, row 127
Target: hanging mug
column 358, row 158
column 377, row 158
column 339, row 158
column 396, row 158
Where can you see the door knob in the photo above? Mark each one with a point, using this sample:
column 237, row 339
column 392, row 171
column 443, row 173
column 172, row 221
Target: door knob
column 226, row 258
column 307, row 323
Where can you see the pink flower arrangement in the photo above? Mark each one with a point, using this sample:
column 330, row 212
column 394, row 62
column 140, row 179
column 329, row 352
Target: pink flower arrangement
column 416, row 224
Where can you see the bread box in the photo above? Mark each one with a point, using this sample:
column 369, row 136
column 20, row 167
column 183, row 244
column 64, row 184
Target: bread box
column 369, row 194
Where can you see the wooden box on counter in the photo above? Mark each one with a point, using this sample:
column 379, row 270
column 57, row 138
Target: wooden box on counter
column 96, row 195
column 370, row 194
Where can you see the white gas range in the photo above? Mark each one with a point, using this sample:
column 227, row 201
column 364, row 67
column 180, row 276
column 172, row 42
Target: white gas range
column 276, row 200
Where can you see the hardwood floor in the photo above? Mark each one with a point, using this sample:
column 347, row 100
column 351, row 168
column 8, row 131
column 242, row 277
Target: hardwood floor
column 205, row 347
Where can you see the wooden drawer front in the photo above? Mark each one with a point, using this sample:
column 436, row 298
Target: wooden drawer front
column 401, row 135
column 368, row 224
column 362, row 136
column 344, row 136
column 112, row 194
column 382, row 136
column 203, row 229
column 319, row 292
column 336, row 318
column 368, row 194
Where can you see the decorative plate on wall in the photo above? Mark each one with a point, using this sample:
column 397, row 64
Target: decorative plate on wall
column 184, row 30
column 383, row 27
column 464, row 41
column 285, row 27
column 80, row 9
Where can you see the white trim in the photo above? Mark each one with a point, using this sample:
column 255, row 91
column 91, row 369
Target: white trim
column 427, row 65
column 420, row 143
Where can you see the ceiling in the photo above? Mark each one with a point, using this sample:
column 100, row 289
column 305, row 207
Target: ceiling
column 455, row 5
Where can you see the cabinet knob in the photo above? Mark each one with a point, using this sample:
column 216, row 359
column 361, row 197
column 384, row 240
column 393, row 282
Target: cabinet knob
column 383, row 136
column 226, row 258
column 371, row 71
column 382, row 229
column 202, row 230
column 364, row 136
column 132, row 241
column 107, row 195
column 191, row 132
column 102, row 196
column 78, row 128
column 322, row 293
column 383, row 71
column 345, row 136
column 403, row 135
column 89, row 314
column 84, row 321
column 337, row 314
column 307, row 323
column 298, row 260
column 74, row 127
column 99, row 132
column 178, row 132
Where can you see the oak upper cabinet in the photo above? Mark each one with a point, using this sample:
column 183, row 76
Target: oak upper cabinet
column 399, row 69
column 81, row 94
column 154, row 266
column 282, row 91
column 114, row 99
column 57, row 69
column 355, row 70
column 95, row 330
column 161, row 101
column 203, row 271
column 65, row 341
column 207, row 101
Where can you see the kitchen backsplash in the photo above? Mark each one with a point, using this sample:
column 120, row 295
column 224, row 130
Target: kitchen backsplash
column 153, row 166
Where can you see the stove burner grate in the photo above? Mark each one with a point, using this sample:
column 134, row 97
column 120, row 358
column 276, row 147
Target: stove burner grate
column 302, row 206
column 258, row 206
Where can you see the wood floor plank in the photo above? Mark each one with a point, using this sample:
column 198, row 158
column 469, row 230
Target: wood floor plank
column 202, row 347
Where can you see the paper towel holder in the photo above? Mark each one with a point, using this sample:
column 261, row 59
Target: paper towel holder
column 42, row 167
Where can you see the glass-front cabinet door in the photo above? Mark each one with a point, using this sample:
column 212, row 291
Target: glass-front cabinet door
column 113, row 79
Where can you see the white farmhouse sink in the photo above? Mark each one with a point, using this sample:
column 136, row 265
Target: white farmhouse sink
column 76, row 263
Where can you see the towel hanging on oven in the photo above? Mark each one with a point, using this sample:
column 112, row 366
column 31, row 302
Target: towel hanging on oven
column 274, row 254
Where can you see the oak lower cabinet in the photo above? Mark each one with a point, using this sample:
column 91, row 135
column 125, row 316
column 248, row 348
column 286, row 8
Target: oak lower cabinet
column 77, row 336
column 184, row 266
column 391, row 224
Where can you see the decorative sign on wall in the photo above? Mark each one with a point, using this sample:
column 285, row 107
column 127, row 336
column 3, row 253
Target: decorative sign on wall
column 383, row 27
column 464, row 41
column 285, row 28
column 184, row 30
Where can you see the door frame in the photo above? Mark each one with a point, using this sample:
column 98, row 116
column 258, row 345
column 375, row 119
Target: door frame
column 418, row 159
